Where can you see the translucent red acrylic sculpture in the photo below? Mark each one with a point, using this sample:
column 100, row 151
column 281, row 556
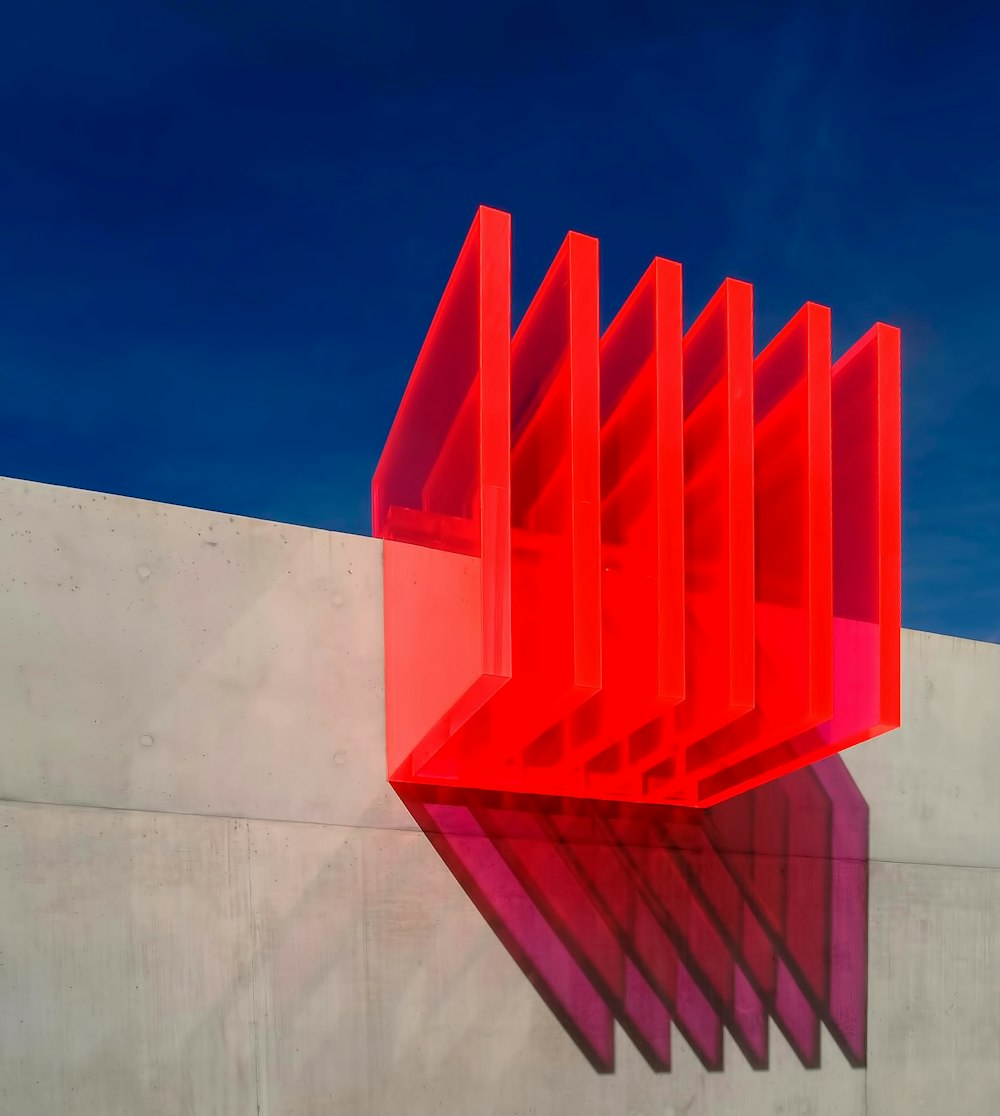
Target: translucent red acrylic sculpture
column 647, row 565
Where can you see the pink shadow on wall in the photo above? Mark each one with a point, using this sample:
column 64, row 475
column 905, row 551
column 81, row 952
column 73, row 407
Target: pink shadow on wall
column 717, row 919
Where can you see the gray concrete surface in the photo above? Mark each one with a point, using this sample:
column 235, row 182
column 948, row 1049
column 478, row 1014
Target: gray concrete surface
column 210, row 902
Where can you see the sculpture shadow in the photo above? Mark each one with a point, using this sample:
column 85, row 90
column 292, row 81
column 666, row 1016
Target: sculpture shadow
column 718, row 919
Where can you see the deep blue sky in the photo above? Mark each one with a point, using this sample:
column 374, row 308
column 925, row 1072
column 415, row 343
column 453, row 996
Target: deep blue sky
column 225, row 224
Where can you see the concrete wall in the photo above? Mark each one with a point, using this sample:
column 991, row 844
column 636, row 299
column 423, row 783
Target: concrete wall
column 211, row 902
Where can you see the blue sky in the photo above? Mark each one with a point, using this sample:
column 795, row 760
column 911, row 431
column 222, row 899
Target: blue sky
column 225, row 224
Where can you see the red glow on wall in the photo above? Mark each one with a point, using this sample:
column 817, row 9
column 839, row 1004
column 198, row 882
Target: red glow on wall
column 645, row 566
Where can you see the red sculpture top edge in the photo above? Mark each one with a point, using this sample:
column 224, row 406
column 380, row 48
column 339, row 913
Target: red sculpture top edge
column 644, row 566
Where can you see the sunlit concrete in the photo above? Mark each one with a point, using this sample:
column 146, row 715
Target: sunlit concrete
column 210, row 901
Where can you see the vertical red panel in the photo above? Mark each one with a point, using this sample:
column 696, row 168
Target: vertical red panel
column 555, row 531
column 642, row 512
column 867, row 533
column 440, row 499
column 793, row 541
column 718, row 547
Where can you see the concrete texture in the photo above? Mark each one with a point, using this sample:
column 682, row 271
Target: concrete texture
column 934, row 989
column 933, row 786
column 163, row 658
column 125, row 971
column 210, row 901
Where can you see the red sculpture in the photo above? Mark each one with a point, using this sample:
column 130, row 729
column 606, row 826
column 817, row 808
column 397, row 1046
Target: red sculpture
column 646, row 566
